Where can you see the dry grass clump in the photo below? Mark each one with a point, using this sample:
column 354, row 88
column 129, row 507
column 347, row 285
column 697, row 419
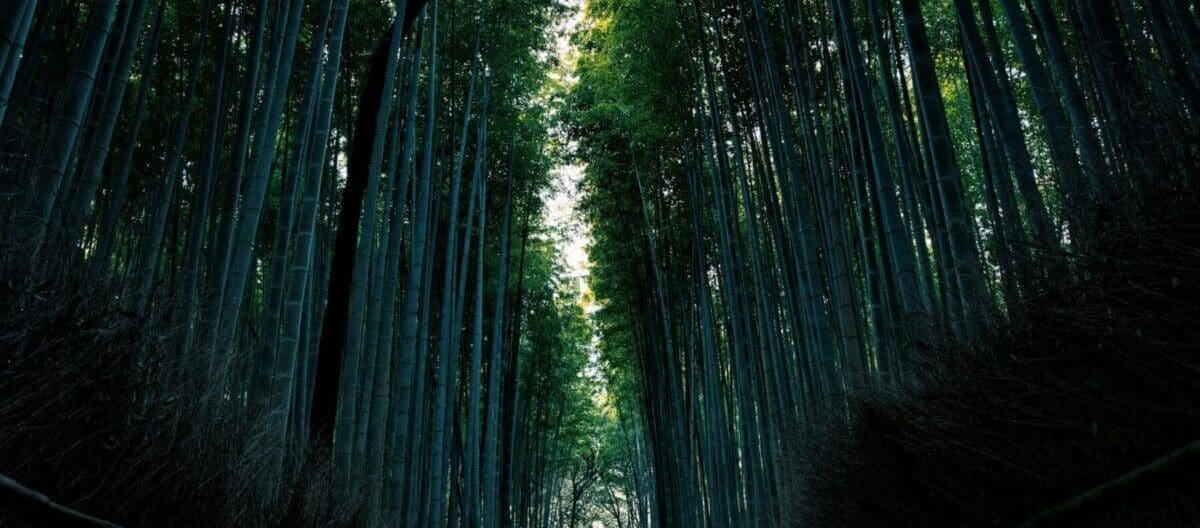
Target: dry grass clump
column 98, row 412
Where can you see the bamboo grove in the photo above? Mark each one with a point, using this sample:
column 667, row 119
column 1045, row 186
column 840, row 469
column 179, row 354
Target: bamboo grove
column 329, row 212
column 792, row 200
column 324, row 228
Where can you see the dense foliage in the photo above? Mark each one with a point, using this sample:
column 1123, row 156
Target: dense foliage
column 309, row 246
column 852, row 254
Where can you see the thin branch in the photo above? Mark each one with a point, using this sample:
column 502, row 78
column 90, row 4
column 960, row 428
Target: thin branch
column 15, row 489
column 1115, row 486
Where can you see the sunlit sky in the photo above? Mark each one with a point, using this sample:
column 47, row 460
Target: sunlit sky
column 569, row 229
column 571, row 232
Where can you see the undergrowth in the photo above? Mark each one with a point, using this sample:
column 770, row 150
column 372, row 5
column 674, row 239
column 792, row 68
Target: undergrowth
column 99, row 412
column 1092, row 378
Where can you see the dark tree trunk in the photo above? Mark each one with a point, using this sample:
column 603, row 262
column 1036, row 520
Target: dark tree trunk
column 333, row 334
